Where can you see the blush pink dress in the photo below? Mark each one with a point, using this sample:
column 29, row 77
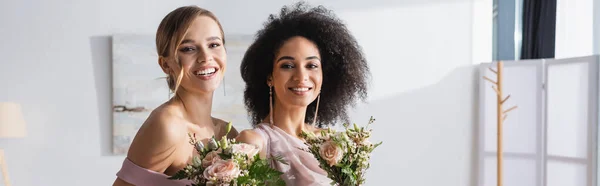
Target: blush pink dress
column 303, row 168
column 136, row 175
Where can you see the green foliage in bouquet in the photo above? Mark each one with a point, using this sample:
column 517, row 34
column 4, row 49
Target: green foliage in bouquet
column 343, row 155
column 227, row 162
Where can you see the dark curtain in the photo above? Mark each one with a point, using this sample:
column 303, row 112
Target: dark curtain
column 539, row 29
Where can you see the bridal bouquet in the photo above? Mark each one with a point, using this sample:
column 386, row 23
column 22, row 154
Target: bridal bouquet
column 343, row 155
column 227, row 162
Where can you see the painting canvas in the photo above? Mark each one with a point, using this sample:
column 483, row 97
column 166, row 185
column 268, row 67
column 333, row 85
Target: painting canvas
column 139, row 85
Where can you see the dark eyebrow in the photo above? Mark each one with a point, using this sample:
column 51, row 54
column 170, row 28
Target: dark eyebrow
column 291, row 58
column 285, row 58
column 313, row 57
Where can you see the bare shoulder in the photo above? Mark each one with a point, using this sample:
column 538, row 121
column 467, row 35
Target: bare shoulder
column 251, row 137
column 158, row 139
column 165, row 126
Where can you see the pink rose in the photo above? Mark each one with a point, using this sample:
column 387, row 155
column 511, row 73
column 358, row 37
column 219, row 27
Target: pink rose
column 243, row 148
column 222, row 170
column 210, row 159
column 331, row 152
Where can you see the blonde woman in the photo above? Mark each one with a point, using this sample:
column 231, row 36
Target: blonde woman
column 190, row 42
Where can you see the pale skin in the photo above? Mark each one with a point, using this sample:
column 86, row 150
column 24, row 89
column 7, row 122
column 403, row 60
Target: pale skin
column 162, row 142
column 296, row 80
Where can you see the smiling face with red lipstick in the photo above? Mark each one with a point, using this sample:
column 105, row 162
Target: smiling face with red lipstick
column 297, row 75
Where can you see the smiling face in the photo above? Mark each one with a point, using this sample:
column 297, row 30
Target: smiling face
column 297, row 74
column 201, row 55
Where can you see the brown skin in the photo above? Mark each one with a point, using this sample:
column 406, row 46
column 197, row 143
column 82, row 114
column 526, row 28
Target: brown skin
column 297, row 65
column 162, row 143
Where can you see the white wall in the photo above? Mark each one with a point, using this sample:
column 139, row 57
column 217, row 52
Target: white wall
column 596, row 26
column 574, row 28
column 423, row 92
column 482, row 31
column 56, row 62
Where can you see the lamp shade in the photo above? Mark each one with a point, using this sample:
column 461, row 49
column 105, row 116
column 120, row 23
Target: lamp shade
column 12, row 124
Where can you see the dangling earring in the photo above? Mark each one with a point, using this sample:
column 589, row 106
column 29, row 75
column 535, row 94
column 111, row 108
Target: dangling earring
column 271, row 104
column 317, row 109
column 224, row 93
column 169, row 91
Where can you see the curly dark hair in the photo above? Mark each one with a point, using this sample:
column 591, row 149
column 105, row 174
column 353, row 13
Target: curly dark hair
column 345, row 69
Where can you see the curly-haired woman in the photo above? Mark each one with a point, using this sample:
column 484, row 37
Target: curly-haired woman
column 302, row 73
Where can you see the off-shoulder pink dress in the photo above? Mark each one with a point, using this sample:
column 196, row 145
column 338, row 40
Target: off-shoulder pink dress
column 136, row 175
column 303, row 168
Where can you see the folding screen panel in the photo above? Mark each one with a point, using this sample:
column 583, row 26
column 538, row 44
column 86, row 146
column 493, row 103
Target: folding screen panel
column 571, row 121
column 521, row 141
column 551, row 139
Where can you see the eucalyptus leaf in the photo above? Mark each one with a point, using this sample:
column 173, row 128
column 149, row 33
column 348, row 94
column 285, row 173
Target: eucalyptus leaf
column 179, row 175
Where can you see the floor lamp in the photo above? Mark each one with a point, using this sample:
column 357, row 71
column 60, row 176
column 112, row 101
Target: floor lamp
column 12, row 125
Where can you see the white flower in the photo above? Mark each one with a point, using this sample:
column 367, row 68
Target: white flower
column 366, row 142
column 212, row 144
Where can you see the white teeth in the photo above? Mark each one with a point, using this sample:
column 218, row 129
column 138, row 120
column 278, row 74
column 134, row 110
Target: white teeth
column 300, row 89
column 206, row 71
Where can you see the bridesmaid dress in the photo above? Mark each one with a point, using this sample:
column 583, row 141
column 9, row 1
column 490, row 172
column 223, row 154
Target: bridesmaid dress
column 303, row 168
column 136, row 175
